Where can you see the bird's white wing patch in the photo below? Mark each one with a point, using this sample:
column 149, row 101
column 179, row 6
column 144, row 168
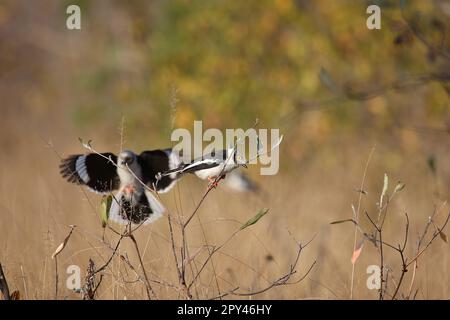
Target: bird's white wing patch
column 80, row 167
column 174, row 159
column 174, row 162
column 156, row 206
column 114, row 211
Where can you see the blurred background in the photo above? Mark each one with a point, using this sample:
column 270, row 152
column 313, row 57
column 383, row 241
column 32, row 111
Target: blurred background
column 334, row 88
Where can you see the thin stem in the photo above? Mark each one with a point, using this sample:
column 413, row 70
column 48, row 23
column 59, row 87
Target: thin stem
column 148, row 285
column 356, row 218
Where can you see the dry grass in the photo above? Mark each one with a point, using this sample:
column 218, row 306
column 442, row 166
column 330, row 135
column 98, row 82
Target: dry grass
column 38, row 207
column 322, row 164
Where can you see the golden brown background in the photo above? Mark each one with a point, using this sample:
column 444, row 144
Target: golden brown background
column 334, row 88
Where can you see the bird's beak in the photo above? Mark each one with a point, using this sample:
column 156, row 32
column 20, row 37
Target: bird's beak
column 125, row 161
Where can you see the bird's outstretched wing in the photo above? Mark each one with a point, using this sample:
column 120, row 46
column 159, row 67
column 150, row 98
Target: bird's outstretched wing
column 95, row 171
column 155, row 162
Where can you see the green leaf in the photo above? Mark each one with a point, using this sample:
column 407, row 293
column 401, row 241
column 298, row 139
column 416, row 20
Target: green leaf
column 255, row 219
column 399, row 187
column 342, row 221
column 104, row 209
column 385, row 184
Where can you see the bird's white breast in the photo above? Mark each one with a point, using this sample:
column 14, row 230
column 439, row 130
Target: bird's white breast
column 129, row 179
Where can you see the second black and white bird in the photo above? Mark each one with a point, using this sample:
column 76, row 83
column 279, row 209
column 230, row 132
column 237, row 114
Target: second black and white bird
column 210, row 166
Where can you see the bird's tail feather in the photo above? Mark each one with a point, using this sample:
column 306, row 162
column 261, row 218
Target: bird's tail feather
column 120, row 207
column 116, row 208
column 156, row 206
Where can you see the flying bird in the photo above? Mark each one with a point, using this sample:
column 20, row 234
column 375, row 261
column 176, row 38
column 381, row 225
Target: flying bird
column 210, row 166
column 130, row 174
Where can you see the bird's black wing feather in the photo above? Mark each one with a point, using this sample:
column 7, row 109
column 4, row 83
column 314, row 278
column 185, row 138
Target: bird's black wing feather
column 207, row 161
column 153, row 163
column 200, row 165
column 92, row 170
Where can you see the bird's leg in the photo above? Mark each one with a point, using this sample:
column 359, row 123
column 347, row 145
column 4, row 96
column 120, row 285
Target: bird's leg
column 214, row 182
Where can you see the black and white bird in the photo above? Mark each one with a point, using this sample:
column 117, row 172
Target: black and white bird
column 128, row 173
column 210, row 166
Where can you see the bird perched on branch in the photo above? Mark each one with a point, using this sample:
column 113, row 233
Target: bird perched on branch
column 129, row 173
column 212, row 166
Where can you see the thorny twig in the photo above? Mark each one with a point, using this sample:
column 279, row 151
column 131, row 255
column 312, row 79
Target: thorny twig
column 90, row 288
column 283, row 280
column 400, row 248
column 419, row 244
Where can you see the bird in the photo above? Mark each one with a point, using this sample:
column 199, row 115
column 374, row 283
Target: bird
column 131, row 174
column 212, row 166
column 240, row 182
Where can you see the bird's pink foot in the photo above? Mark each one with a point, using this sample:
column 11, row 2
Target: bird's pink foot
column 214, row 181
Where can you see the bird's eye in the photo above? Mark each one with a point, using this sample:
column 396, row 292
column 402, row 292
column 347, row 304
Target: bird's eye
column 127, row 160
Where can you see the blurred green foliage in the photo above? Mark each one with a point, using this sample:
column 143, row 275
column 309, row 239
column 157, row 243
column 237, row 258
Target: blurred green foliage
column 233, row 61
column 311, row 68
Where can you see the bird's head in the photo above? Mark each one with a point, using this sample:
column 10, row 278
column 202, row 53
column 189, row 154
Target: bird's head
column 126, row 158
column 239, row 160
column 242, row 162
